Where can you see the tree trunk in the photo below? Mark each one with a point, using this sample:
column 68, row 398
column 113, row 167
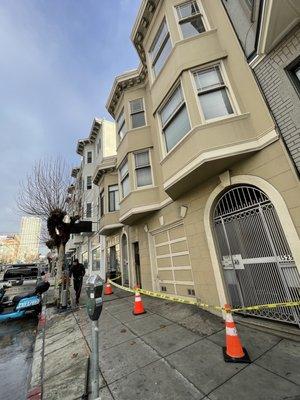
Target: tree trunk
column 60, row 261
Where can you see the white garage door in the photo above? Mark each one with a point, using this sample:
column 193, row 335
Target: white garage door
column 173, row 262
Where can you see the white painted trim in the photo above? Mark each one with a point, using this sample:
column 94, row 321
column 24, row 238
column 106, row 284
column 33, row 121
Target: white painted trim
column 189, row 283
column 178, row 268
column 182, row 253
column 281, row 209
column 182, row 239
column 141, row 209
column 110, row 226
column 223, row 152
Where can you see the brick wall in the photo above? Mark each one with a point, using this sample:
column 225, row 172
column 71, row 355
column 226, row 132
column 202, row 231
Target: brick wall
column 280, row 93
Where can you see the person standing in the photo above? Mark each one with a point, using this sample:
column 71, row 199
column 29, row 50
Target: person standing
column 77, row 270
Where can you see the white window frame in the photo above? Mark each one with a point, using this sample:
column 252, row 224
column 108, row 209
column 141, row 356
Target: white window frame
column 136, row 187
column 99, row 145
column 123, row 126
column 87, row 157
column 230, row 92
column 201, row 13
column 86, row 209
column 137, row 112
column 87, row 182
column 165, row 101
column 102, row 203
column 116, row 204
column 121, row 179
column 152, row 61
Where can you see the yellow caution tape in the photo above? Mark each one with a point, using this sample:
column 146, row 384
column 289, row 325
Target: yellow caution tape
column 196, row 302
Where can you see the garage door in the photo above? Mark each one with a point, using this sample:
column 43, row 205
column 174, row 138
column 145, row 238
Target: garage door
column 173, row 263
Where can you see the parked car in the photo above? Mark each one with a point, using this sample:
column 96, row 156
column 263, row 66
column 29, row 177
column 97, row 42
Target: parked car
column 21, row 271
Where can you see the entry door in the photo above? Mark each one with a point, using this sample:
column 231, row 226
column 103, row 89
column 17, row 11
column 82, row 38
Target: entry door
column 125, row 274
column 137, row 264
column 256, row 259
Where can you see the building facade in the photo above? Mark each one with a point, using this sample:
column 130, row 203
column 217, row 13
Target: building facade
column 208, row 197
column 269, row 34
column 85, row 197
column 30, row 233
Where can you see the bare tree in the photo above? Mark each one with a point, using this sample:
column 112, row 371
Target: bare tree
column 44, row 194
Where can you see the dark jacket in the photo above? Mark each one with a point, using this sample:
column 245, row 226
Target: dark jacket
column 77, row 271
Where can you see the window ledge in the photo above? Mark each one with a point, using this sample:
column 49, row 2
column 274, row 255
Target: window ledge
column 207, row 124
column 148, row 187
column 195, row 37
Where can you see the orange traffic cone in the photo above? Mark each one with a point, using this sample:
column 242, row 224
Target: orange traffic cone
column 107, row 289
column 138, row 307
column 233, row 352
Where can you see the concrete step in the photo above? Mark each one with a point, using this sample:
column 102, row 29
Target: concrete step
column 286, row 331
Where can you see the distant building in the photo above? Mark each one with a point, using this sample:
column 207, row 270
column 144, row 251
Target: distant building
column 9, row 246
column 29, row 239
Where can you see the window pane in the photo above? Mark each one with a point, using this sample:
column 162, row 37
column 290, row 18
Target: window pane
column 162, row 57
column 187, row 9
column 215, row 104
column 143, row 176
column 161, row 34
column 89, row 182
column 172, row 104
column 136, row 105
column 192, row 27
column 179, row 126
column 208, row 79
column 142, row 159
column 89, row 157
column 124, row 169
column 111, row 201
column 88, row 210
column 125, row 186
column 297, row 73
column 138, row 119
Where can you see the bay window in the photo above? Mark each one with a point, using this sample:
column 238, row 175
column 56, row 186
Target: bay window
column 160, row 48
column 190, row 19
column 174, row 119
column 137, row 113
column 212, row 93
column 124, row 178
column 143, row 169
column 121, row 125
column 113, row 198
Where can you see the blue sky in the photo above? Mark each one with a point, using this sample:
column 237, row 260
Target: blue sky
column 58, row 62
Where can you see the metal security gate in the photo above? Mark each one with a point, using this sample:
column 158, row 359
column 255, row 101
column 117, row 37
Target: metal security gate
column 256, row 259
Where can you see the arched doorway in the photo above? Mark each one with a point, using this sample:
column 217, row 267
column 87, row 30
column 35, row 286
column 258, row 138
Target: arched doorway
column 125, row 273
column 256, row 259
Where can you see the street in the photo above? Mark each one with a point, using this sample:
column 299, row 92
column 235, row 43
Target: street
column 16, row 346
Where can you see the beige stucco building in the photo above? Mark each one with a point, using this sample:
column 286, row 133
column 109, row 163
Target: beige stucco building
column 201, row 199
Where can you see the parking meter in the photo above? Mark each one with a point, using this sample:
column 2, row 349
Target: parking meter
column 94, row 289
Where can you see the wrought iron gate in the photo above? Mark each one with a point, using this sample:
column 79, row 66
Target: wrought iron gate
column 257, row 262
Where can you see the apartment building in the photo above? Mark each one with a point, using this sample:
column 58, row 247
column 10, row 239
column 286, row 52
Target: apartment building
column 269, row 34
column 9, row 246
column 208, row 198
column 85, row 197
column 30, row 233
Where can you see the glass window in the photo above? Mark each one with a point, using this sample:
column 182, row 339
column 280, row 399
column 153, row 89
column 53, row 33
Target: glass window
column 88, row 210
column 96, row 259
column 99, row 145
column 89, row 157
column 212, row 93
column 137, row 113
column 89, row 182
column 121, row 125
column 161, row 48
column 143, row 169
column 124, row 177
column 113, row 198
column 174, row 118
column 190, row 19
column 294, row 73
column 85, row 259
column 101, row 205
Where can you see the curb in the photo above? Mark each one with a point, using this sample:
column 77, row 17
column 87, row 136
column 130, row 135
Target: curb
column 35, row 386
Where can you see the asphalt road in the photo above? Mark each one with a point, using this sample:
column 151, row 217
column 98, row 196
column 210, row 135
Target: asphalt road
column 16, row 347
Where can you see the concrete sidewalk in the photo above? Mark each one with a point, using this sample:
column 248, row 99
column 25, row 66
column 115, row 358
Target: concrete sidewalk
column 175, row 352
column 172, row 352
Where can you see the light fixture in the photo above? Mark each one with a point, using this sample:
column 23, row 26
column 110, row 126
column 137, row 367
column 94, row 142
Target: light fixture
column 183, row 211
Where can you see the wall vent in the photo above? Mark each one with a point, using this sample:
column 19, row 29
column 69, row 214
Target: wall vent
column 163, row 288
column 191, row 292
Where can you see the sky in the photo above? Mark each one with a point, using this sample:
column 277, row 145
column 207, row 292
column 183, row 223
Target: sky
column 58, row 62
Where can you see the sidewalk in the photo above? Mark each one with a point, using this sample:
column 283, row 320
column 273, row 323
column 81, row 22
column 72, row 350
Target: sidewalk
column 173, row 352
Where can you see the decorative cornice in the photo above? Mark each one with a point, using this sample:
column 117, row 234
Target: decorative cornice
column 122, row 82
column 108, row 165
